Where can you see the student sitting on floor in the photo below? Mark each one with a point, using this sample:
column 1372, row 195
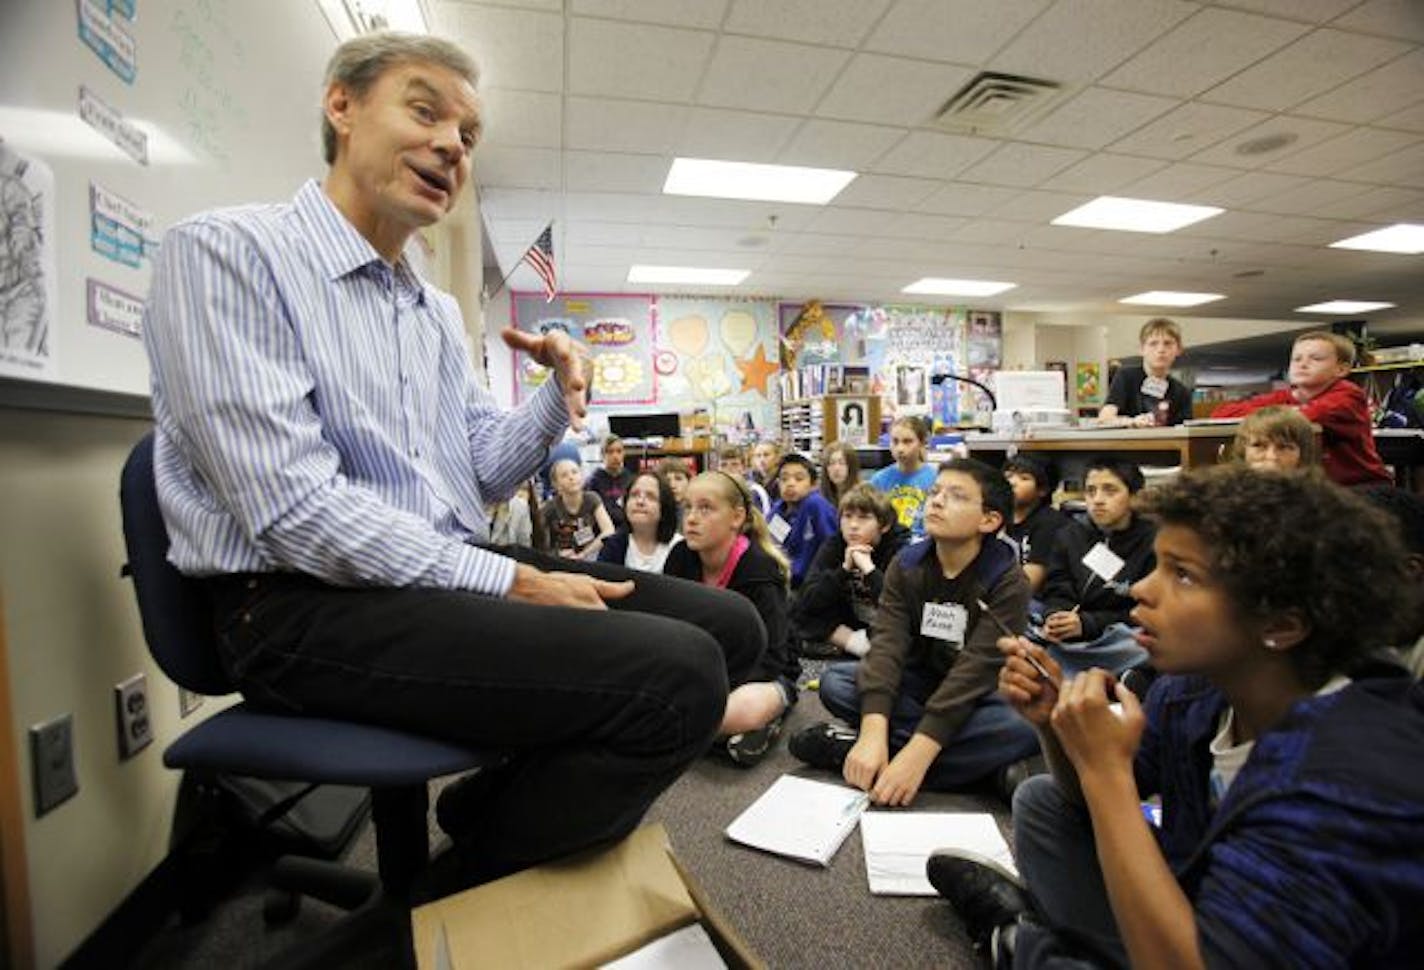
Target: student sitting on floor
column 732, row 459
column 840, row 471
column 1321, row 391
column 725, row 544
column 1276, row 438
column 1291, row 818
column 1036, row 523
column 575, row 522
column 766, row 467
column 924, row 695
column 801, row 519
column 906, row 482
column 838, row 600
column 1086, row 613
column 675, row 472
column 651, row 514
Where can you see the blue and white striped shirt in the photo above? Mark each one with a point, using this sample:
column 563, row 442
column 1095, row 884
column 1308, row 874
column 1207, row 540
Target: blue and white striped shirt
column 316, row 410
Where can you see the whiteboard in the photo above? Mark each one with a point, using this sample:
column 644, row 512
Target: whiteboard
column 222, row 99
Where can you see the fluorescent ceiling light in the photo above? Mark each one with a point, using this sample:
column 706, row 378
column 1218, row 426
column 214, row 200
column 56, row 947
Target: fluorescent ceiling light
column 1172, row 298
column 942, row 287
column 687, row 274
column 761, row 183
column 348, row 18
column 1135, row 215
column 1403, row 237
column 1343, row 306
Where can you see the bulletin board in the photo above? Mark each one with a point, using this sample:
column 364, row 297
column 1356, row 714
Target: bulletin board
column 618, row 329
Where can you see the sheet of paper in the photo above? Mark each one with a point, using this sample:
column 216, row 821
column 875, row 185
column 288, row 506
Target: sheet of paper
column 800, row 818
column 689, row 948
column 1103, row 561
column 898, row 844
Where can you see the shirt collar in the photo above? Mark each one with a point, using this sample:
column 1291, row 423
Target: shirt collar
column 344, row 250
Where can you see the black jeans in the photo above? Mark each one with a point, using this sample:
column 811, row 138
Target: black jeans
column 602, row 709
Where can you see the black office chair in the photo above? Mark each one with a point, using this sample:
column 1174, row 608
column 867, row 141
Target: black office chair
column 178, row 625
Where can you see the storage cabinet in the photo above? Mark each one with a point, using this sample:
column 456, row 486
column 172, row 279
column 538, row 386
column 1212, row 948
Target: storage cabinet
column 809, row 424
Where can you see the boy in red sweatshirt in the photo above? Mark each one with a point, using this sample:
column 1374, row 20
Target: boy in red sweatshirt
column 1318, row 388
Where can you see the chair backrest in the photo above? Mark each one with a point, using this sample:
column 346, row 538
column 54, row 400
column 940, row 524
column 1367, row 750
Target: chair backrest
column 176, row 611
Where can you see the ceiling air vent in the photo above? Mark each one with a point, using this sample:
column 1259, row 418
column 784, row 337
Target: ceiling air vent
column 997, row 104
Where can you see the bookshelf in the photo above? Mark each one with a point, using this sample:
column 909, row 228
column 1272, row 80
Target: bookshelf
column 808, row 424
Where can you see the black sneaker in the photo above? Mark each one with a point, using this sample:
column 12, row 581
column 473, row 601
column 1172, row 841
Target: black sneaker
column 823, row 745
column 750, row 747
column 984, row 893
column 1011, row 776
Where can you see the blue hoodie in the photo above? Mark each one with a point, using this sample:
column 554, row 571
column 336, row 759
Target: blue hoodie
column 1315, row 856
column 813, row 521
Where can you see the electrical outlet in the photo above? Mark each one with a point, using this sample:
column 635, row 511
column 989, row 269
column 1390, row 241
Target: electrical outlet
column 188, row 701
column 52, row 762
column 135, row 726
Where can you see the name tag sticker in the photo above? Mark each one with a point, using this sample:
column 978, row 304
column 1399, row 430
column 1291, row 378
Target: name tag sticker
column 944, row 621
column 779, row 528
column 1103, row 561
column 1155, row 387
column 583, row 536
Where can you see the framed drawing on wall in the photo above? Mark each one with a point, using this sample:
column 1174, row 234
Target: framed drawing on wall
column 912, row 389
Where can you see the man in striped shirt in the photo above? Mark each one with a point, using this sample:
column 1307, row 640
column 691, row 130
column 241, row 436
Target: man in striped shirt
column 323, row 457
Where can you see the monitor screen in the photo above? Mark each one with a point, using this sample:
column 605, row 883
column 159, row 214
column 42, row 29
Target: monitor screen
column 655, row 425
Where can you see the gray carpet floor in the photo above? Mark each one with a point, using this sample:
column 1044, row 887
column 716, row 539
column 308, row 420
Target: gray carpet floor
column 792, row 915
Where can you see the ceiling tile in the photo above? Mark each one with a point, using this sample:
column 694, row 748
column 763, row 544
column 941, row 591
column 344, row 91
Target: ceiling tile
column 1018, row 164
column 1178, row 182
column 1103, row 174
column 1203, row 51
column 514, row 48
column 990, row 231
column 519, row 168
column 733, row 135
column 1096, row 117
column 961, row 199
column 963, row 31
column 891, row 91
column 1315, row 11
column 934, row 155
column 1319, row 61
column 526, row 118
column 814, row 243
column 1243, row 190
column 1403, row 167
column 1389, row 18
column 1384, row 200
column 868, row 222
column 1187, row 130
column 1038, row 206
column 839, row 23
column 1308, row 198
column 839, row 144
column 503, row 203
column 629, row 126
column 1410, row 119
column 1234, row 225
column 1385, row 90
column 685, row 210
column 1307, row 132
column 610, row 207
column 624, row 60
column 706, row 14
column 1305, row 231
column 909, row 225
column 614, row 172
column 765, row 75
column 1079, row 40
column 886, row 192
column 1342, row 154
column 598, row 234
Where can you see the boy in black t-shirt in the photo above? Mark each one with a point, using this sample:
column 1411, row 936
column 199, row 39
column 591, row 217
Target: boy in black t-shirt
column 1035, row 522
column 1149, row 395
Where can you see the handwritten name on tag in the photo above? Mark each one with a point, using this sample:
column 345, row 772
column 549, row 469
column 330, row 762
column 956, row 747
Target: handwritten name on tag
column 944, row 621
column 779, row 528
column 1103, row 561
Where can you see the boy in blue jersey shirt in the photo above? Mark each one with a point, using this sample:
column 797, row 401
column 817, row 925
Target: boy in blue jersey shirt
column 908, row 481
column 802, row 518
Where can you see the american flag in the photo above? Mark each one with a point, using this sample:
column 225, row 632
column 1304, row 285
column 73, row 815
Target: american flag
column 541, row 257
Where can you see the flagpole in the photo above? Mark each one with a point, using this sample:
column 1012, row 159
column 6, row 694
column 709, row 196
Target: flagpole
column 505, row 278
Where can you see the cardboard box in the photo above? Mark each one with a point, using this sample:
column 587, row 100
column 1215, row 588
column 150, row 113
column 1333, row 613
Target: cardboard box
column 578, row 912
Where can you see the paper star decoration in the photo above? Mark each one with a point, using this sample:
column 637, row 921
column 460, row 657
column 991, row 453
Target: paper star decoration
column 756, row 369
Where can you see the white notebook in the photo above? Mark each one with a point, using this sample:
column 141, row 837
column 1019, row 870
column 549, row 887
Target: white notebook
column 800, row 818
column 898, row 844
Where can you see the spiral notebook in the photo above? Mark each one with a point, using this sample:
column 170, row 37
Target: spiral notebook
column 800, row 818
